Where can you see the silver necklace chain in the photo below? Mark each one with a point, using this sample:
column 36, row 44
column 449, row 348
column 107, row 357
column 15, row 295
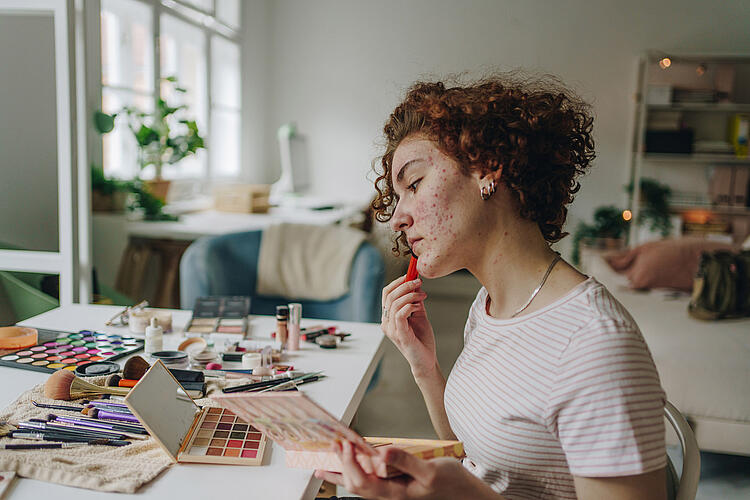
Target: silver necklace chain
column 539, row 287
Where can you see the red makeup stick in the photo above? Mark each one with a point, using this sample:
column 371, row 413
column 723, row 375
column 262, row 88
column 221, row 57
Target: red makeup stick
column 412, row 272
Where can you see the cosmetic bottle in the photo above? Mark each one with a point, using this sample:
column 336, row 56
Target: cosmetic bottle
column 282, row 333
column 295, row 317
column 154, row 338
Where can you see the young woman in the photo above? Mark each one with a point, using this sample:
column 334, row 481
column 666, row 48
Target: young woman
column 555, row 394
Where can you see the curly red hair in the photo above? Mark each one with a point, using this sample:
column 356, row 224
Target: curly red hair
column 538, row 132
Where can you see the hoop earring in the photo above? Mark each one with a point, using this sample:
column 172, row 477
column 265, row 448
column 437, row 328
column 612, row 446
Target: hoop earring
column 487, row 191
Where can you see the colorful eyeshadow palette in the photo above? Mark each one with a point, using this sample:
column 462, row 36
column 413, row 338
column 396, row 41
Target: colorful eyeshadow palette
column 56, row 350
column 220, row 315
column 187, row 432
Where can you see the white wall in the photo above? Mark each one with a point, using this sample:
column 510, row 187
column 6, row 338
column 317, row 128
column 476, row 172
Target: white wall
column 338, row 67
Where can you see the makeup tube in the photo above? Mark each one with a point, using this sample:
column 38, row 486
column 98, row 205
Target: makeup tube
column 295, row 317
column 282, row 333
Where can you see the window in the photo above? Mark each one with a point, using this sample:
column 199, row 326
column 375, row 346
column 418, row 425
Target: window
column 198, row 44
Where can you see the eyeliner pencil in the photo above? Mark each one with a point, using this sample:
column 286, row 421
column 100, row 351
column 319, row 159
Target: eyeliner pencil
column 40, row 446
column 52, row 436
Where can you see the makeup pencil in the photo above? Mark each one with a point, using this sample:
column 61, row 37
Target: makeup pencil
column 40, row 446
column 53, row 436
column 70, row 429
column 99, row 424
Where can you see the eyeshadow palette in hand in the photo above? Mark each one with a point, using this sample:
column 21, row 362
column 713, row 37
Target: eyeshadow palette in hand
column 57, row 350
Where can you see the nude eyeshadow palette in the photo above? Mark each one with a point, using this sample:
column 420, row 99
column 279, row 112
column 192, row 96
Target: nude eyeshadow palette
column 308, row 433
column 58, row 350
column 219, row 315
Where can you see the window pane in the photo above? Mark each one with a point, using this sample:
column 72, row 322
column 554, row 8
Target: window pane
column 183, row 55
column 224, row 147
column 225, row 73
column 29, row 215
column 127, row 45
column 120, row 150
column 228, row 12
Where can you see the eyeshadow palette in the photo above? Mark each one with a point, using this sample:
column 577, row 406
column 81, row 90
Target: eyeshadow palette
column 57, row 350
column 308, row 433
column 187, row 432
column 220, row 315
column 221, row 435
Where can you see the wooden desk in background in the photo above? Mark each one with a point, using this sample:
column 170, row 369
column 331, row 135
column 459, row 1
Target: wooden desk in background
column 149, row 252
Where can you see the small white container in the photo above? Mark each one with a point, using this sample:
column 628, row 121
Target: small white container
column 251, row 360
column 154, row 338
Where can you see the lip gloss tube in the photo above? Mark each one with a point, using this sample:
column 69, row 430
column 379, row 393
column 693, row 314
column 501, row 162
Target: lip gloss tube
column 412, row 272
column 295, row 317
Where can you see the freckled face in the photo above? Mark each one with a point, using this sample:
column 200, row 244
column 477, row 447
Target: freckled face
column 438, row 206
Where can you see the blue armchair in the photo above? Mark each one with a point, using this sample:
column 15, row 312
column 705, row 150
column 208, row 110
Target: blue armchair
column 227, row 265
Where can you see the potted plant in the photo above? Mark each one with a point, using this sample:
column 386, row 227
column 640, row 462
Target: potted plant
column 654, row 205
column 606, row 233
column 108, row 195
column 163, row 137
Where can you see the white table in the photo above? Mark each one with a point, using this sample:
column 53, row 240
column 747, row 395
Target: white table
column 348, row 368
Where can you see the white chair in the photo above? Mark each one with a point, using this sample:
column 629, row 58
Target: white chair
column 691, row 457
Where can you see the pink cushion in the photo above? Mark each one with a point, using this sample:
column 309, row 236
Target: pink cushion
column 664, row 264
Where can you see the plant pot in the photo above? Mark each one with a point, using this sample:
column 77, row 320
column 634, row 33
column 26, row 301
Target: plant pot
column 110, row 202
column 158, row 187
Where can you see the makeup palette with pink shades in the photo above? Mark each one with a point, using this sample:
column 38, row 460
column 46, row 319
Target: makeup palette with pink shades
column 58, row 350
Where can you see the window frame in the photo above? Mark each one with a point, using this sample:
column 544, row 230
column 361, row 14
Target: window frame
column 210, row 26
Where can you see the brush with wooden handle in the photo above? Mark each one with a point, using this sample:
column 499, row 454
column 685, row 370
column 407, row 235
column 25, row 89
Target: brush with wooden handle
column 64, row 385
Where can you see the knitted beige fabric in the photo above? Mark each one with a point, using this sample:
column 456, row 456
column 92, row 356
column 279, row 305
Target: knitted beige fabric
column 121, row 469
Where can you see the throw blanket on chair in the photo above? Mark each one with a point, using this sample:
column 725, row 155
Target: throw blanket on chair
column 306, row 262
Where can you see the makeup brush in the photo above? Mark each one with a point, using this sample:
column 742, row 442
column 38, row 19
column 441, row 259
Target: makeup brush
column 6, row 428
column 135, row 368
column 411, row 273
column 110, row 415
column 64, row 384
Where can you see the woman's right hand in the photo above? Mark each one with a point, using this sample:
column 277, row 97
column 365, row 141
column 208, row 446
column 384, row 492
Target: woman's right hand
column 405, row 323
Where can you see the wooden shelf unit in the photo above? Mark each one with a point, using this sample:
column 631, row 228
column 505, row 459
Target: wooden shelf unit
column 709, row 121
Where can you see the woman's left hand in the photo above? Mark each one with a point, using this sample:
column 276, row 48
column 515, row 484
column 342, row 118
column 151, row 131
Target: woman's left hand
column 436, row 478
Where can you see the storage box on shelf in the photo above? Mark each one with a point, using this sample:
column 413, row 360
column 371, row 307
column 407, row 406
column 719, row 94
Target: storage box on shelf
column 692, row 122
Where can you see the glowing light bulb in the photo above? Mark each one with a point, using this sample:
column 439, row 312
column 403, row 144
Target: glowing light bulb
column 665, row 62
column 627, row 215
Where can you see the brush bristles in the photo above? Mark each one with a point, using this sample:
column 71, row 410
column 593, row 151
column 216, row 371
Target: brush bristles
column 6, row 428
column 64, row 385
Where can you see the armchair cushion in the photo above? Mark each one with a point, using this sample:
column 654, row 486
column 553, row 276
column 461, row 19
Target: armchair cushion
column 227, row 265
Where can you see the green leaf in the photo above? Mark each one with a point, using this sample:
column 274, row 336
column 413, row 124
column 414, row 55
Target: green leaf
column 146, row 135
column 104, row 123
column 180, row 89
column 172, row 79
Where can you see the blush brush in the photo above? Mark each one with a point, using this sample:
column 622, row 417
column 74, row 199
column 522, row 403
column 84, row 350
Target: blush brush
column 64, row 385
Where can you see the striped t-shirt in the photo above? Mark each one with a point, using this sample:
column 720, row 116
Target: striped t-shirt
column 568, row 390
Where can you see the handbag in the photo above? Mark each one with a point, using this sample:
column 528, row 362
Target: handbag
column 721, row 288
